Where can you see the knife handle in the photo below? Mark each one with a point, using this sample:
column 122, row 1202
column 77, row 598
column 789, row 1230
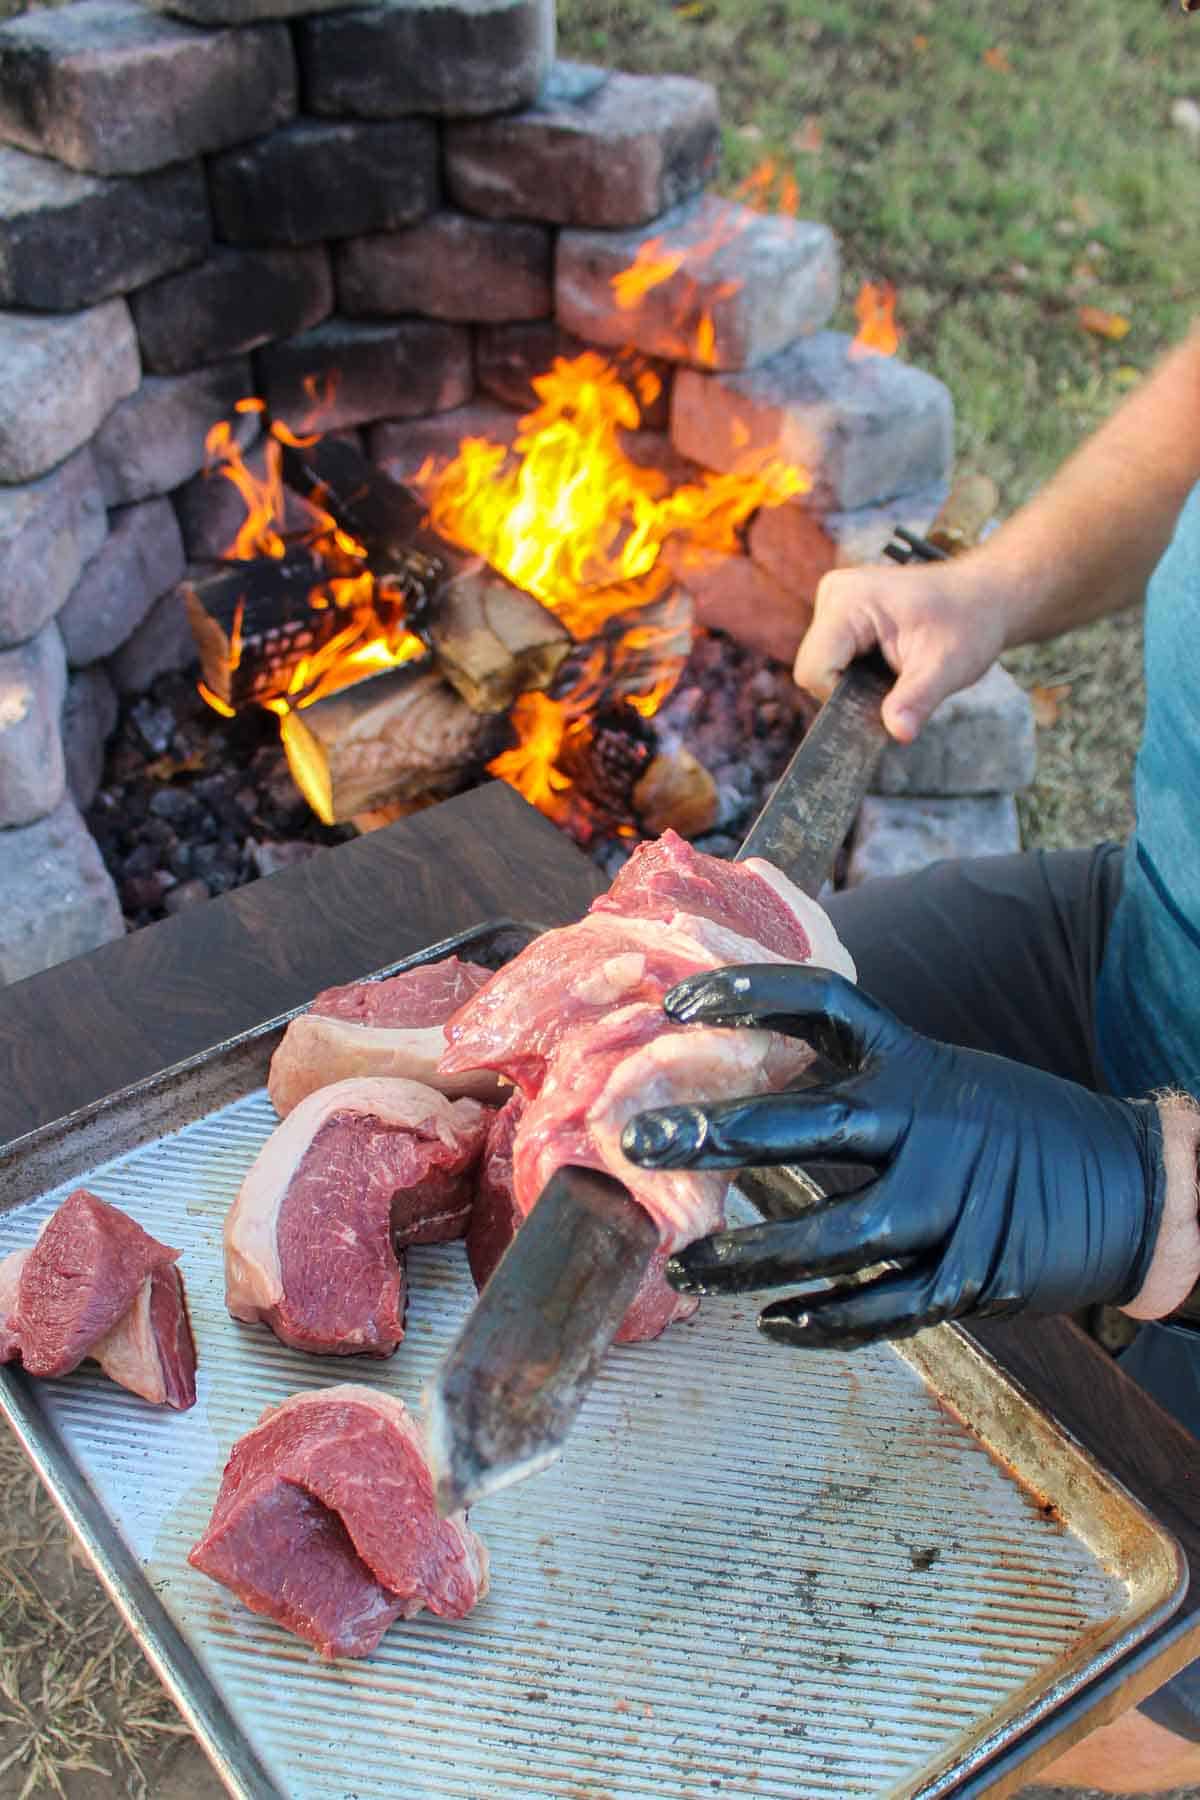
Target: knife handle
column 834, row 763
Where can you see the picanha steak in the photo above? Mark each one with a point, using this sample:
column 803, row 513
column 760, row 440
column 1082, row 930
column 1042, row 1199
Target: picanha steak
column 394, row 1027
column 576, row 1022
column 326, row 1522
column 355, row 1173
column 95, row 1286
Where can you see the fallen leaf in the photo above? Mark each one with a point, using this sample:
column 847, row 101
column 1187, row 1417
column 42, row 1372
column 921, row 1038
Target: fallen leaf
column 920, row 43
column 997, row 59
column 1046, row 702
column 809, row 138
column 1111, row 325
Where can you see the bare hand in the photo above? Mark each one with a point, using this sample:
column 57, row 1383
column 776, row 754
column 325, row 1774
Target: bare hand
column 940, row 626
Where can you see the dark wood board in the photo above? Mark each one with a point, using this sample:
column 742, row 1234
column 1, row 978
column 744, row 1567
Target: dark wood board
column 90, row 1026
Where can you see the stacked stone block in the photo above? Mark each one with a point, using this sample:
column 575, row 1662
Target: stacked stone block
column 392, row 216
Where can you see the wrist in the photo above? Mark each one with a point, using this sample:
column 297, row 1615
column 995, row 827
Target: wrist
column 1175, row 1264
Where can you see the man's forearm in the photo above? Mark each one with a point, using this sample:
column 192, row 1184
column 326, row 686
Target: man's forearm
column 1088, row 542
column 1175, row 1268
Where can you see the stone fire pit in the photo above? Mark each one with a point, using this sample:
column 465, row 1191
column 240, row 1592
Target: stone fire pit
column 417, row 209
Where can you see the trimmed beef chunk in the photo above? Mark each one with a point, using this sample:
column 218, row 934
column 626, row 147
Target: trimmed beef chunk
column 355, row 1173
column 326, row 1522
column 394, row 1028
column 95, row 1286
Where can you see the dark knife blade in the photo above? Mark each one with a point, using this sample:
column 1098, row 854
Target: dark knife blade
column 509, row 1391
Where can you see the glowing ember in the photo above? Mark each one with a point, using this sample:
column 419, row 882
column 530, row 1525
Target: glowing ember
column 878, row 333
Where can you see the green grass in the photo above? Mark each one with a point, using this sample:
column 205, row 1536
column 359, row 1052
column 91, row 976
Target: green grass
column 998, row 203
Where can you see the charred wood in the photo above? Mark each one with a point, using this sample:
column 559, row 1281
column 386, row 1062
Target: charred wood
column 253, row 621
column 382, row 515
column 493, row 641
column 402, row 736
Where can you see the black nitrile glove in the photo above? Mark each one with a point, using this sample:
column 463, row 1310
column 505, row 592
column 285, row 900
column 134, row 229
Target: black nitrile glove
column 999, row 1188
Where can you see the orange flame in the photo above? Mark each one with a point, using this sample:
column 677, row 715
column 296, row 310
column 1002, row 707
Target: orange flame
column 878, row 333
column 569, row 517
column 373, row 637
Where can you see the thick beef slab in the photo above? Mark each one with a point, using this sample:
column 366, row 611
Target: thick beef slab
column 95, row 1286
column 151, row 1350
column 394, row 1027
column 357, row 1171
column 326, row 1522
column 576, row 1022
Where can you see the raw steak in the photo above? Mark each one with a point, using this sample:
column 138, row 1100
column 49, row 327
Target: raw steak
column 150, row 1350
column 79, row 1280
column 394, row 1027
column 603, row 1075
column 326, row 1522
column 576, row 976
column 752, row 898
column 10, row 1281
column 355, row 1171
column 496, row 1217
column 495, row 1214
column 576, row 1021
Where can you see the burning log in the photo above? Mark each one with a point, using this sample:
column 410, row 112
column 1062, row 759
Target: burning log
column 493, row 642
column 385, row 517
column 254, row 621
column 405, row 735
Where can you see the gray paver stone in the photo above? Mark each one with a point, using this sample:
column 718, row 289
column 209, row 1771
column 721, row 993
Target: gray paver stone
column 733, row 594
column 731, row 286
column 325, row 178
column 33, row 683
column 162, row 644
column 48, row 530
column 242, row 12
column 979, row 741
column 109, row 86
column 509, row 357
column 595, row 149
column 449, row 267
column 154, row 440
column 898, row 836
column 796, row 544
column 863, row 428
column 140, row 559
column 400, row 446
column 61, row 374
column 453, row 58
column 380, row 370
column 59, row 898
column 234, row 301
column 89, row 720
column 68, row 240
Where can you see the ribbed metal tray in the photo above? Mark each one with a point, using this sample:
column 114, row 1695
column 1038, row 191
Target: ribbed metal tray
column 800, row 1576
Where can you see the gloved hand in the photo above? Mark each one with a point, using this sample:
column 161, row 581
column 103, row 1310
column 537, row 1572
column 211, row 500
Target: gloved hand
column 999, row 1188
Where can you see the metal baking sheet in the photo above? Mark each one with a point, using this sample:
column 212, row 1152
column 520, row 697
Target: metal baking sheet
column 755, row 1572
